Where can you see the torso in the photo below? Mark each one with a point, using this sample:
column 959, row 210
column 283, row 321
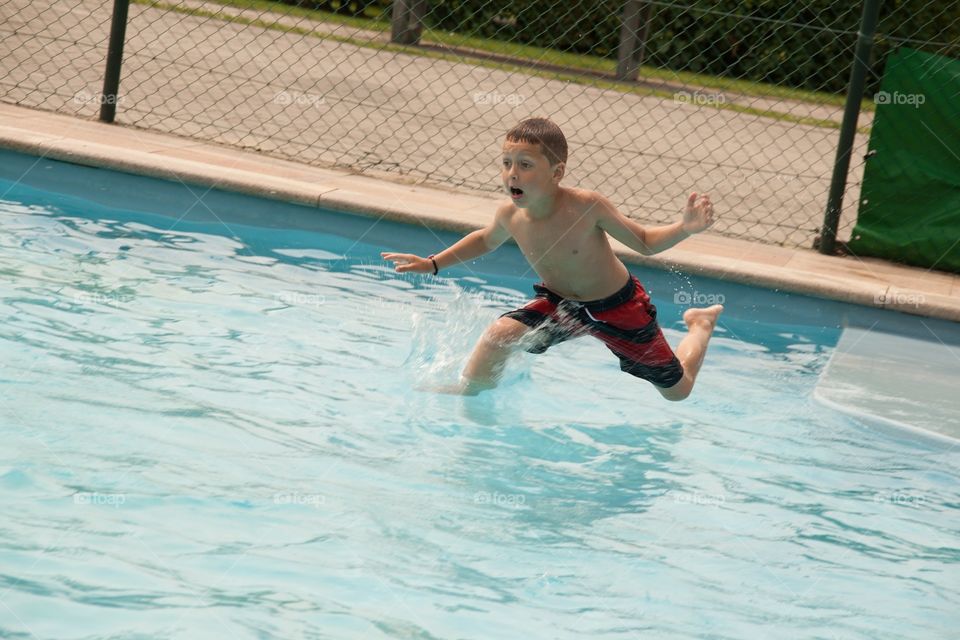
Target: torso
column 567, row 249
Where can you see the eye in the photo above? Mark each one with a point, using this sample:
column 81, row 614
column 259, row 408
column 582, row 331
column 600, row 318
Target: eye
column 526, row 165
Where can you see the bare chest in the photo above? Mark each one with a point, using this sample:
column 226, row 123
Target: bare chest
column 560, row 240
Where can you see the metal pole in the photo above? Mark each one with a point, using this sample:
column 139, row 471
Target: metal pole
column 111, row 76
column 399, row 20
column 406, row 23
column 848, row 128
column 626, row 52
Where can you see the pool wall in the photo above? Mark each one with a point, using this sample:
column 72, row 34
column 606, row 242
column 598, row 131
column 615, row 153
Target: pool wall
column 872, row 283
column 93, row 188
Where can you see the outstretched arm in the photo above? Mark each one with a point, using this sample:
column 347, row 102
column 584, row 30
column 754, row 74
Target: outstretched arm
column 473, row 245
column 697, row 216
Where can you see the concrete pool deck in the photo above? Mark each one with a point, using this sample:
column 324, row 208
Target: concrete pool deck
column 868, row 282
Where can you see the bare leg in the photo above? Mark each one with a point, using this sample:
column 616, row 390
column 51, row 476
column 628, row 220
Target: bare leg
column 690, row 351
column 489, row 357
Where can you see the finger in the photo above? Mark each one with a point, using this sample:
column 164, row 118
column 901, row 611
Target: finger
column 692, row 200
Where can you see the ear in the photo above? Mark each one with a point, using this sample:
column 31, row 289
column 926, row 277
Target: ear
column 559, row 170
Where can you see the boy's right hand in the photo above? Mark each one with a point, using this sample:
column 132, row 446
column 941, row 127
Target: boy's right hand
column 408, row 262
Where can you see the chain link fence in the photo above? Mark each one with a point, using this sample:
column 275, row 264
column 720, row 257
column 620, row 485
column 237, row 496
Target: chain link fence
column 743, row 100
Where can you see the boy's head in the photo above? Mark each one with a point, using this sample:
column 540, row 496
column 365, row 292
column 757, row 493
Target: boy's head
column 543, row 132
column 534, row 161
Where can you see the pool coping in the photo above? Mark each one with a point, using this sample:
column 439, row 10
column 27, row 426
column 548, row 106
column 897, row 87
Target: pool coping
column 868, row 282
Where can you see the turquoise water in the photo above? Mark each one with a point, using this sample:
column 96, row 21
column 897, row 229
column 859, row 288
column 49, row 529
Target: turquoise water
column 212, row 428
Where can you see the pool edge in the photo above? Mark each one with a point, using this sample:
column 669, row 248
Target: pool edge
column 123, row 148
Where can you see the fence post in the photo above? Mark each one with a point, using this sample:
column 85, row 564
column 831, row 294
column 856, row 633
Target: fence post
column 630, row 52
column 848, row 127
column 406, row 21
column 111, row 75
column 626, row 51
column 398, row 21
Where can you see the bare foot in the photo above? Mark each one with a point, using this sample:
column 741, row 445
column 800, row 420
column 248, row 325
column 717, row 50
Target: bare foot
column 705, row 318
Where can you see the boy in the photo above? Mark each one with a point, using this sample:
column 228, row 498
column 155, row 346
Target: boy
column 586, row 289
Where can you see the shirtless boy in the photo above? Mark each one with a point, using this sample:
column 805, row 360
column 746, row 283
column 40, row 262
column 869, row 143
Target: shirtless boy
column 585, row 288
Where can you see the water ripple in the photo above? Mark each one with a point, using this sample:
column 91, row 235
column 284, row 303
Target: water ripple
column 208, row 435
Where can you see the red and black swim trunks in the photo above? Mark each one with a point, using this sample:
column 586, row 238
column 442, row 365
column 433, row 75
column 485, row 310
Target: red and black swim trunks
column 626, row 322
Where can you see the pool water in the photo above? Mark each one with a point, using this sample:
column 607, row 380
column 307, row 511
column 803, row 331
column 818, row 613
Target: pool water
column 213, row 425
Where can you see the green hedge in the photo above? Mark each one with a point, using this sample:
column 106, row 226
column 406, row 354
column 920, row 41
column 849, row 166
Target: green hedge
column 751, row 43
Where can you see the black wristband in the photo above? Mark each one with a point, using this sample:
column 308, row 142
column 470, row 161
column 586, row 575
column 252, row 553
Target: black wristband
column 436, row 269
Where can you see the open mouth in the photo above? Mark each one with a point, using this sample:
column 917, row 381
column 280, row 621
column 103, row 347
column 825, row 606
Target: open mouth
column 515, row 192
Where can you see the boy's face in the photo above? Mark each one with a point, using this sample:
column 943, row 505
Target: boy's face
column 527, row 174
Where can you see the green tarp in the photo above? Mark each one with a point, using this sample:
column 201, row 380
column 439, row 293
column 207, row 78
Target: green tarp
column 910, row 200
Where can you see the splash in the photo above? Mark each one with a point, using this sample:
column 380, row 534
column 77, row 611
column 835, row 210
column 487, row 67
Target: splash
column 445, row 331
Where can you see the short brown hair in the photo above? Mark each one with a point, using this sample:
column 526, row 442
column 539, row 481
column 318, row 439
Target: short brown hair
column 543, row 132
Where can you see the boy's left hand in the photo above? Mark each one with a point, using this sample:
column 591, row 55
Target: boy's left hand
column 698, row 214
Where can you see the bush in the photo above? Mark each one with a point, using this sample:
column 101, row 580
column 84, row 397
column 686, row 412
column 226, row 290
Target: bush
column 807, row 46
column 760, row 40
